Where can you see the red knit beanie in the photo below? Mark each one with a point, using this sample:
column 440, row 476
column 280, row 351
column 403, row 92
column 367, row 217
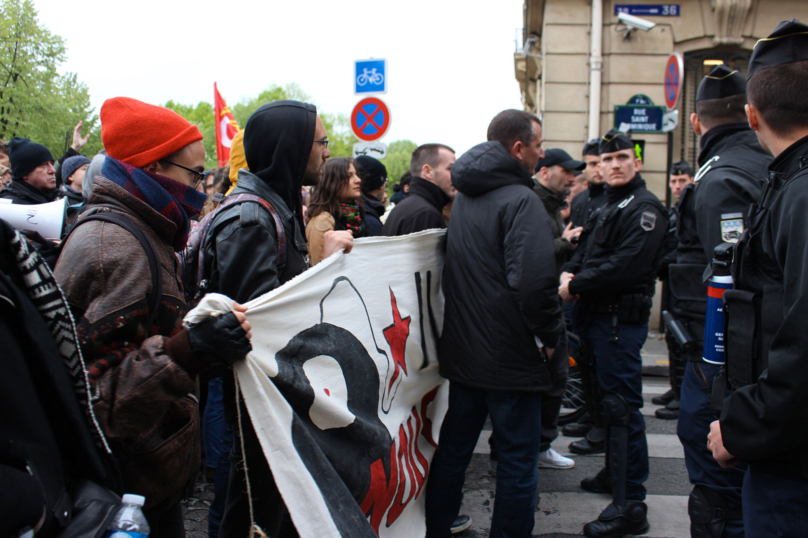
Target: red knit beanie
column 139, row 134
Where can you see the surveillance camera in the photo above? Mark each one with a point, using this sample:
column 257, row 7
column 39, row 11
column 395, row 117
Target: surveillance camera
column 635, row 23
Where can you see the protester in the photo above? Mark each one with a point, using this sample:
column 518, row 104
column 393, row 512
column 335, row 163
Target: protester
column 246, row 256
column 237, row 159
column 553, row 177
column 765, row 420
column 33, row 179
column 5, row 176
column 92, row 172
column 374, row 192
column 4, row 159
column 430, row 191
column 142, row 364
column 335, row 205
column 73, row 171
column 497, row 342
column 615, row 279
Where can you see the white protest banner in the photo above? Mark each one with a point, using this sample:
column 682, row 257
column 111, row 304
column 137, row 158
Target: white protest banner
column 343, row 388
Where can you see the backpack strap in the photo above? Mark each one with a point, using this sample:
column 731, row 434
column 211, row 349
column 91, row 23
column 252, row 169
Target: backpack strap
column 279, row 229
column 154, row 266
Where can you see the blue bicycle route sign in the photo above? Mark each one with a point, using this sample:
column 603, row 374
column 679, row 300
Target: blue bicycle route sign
column 370, row 76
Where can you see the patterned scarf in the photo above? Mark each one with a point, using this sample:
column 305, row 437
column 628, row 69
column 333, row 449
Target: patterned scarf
column 352, row 218
column 44, row 292
column 174, row 200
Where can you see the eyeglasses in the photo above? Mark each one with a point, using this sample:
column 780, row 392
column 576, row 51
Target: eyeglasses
column 324, row 141
column 198, row 176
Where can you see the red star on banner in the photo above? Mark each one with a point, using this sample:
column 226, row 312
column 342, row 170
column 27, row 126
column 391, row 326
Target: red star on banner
column 396, row 336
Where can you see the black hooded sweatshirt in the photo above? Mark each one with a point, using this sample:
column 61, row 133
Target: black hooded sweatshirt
column 241, row 247
column 499, row 279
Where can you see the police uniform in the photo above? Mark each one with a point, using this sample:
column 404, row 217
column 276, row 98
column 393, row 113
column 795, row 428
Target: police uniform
column 765, row 420
column 676, row 358
column 583, row 212
column 616, row 285
column 713, row 211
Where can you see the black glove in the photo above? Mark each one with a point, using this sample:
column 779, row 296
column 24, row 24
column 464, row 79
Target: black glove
column 219, row 341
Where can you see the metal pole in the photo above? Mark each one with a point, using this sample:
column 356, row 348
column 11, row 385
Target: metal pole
column 595, row 69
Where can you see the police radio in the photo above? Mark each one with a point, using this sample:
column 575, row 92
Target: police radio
column 720, row 281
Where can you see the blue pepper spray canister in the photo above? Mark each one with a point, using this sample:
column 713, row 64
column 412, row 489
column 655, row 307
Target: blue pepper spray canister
column 720, row 281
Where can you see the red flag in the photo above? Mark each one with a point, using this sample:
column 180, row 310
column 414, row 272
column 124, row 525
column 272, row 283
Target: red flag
column 226, row 128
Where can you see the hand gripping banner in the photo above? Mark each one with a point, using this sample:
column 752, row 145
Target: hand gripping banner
column 343, row 388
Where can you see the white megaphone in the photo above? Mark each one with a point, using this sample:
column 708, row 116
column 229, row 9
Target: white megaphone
column 47, row 219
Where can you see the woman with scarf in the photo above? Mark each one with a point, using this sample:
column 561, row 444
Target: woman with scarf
column 142, row 364
column 335, row 204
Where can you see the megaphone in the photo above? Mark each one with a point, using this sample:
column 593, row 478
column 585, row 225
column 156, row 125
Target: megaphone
column 47, row 219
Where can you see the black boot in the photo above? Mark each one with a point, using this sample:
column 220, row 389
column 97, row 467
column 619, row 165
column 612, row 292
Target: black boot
column 669, row 412
column 593, row 443
column 663, row 399
column 576, row 429
column 615, row 522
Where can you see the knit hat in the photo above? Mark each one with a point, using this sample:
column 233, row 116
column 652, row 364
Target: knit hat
column 237, row 157
column 25, row 156
column 72, row 164
column 372, row 172
column 139, row 134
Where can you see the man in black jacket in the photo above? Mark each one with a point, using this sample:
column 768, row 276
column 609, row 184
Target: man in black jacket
column 430, row 190
column 285, row 146
column 712, row 211
column 765, row 420
column 374, row 183
column 615, row 282
column 33, row 177
column 502, row 321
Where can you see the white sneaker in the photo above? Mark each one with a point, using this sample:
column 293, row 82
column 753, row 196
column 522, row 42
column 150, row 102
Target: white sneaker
column 550, row 459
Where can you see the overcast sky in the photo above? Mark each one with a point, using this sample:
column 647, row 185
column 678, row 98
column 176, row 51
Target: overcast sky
column 450, row 62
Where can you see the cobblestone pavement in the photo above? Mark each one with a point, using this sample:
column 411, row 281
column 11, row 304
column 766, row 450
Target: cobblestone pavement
column 195, row 510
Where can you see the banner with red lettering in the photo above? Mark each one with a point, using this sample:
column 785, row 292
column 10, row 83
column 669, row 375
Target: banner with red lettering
column 226, row 127
column 343, row 388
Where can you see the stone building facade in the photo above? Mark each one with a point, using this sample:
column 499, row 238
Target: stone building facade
column 555, row 62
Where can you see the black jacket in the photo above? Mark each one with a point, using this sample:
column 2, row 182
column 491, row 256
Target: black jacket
column 623, row 253
column 499, row 279
column 374, row 210
column 766, row 422
column 241, row 247
column 422, row 209
column 553, row 204
column 583, row 212
column 733, row 168
column 20, row 192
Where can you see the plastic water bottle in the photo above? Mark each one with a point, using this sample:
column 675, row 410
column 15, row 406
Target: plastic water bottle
column 130, row 521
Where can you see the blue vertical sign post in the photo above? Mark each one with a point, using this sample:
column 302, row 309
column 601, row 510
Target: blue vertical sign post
column 370, row 76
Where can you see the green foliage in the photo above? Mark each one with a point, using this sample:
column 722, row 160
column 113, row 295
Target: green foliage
column 245, row 108
column 397, row 161
column 35, row 101
column 204, row 116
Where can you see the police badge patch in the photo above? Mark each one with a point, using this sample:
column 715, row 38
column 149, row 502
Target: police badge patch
column 731, row 227
column 648, row 220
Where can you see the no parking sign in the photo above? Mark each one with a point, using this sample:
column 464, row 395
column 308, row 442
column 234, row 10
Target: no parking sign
column 370, row 119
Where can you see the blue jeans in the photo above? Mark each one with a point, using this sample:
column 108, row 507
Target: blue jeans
column 516, row 417
column 619, row 370
column 774, row 506
column 218, row 437
column 695, row 416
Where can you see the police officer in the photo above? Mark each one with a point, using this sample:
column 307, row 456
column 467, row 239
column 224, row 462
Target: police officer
column 765, row 420
column 583, row 212
column 712, row 212
column 681, row 175
column 616, row 284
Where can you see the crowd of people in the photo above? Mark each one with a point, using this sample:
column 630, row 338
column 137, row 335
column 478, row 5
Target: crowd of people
column 541, row 247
